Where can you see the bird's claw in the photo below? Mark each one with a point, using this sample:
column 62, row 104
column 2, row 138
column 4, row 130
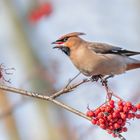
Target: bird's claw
column 95, row 78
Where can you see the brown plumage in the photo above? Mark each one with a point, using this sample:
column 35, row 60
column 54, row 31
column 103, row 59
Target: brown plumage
column 93, row 58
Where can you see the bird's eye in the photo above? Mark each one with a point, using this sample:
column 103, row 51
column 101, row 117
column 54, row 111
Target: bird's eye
column 65, row 39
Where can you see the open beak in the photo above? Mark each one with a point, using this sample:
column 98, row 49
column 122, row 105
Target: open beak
column 58, row 44
column 56, row 47
column 55, row 42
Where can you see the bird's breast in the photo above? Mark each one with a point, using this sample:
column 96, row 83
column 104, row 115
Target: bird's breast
column 83, row 60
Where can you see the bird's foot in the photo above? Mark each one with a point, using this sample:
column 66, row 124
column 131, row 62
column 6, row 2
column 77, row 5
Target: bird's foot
column 108, row 77
column 96, row 78
column 104, row 80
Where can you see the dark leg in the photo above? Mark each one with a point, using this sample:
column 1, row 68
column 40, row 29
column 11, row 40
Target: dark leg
column 110, row 76
column 70, row 81
column 96, row 78
column 104, row 82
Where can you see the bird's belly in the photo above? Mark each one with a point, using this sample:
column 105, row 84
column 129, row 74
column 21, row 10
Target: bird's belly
column 102, row 66
column 86, row 67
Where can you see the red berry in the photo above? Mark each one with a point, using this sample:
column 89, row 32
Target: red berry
column 102, row 125
column 39, row 12
column 115, row 114
column 123, row 115
column 112, row 106
column 97, row 111
column 115, row 119
column 137, row 116
column 109, row 117
column 120, row 103
column 90, row 113
column 120, row 121
column 94, row 121
column 138, row 106
column 134, row 109
column 125, row 109
column 111, row 127
column 100, row 115
column 109, row 132
column 46, row 8
column 117, row 111
column 133, row 115
column 124, row 129
column 101, row 120
column 123, row 123
column 108, row 108
column 130, row 116
column 128, row 104
column 120, row 108
column 98, row 123
column 102, row 109
column 111, row 102
column 129, row 108
column 116, row 126
column 110, row 124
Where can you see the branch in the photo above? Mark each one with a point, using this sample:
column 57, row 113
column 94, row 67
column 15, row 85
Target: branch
column 70, row 81
column 44, row 97
column 69, row 88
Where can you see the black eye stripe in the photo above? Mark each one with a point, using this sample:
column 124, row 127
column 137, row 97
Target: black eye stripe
column 63, row 40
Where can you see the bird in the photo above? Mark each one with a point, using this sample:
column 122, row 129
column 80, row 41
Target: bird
column 94, row 58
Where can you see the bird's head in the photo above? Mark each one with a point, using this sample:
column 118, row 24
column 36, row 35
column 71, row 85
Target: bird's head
column 68, row 41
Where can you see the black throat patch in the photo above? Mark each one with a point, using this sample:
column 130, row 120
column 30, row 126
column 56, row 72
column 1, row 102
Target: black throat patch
column 66, row 50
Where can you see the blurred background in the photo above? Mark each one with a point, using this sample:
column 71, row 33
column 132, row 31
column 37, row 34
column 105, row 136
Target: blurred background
column 27, row 28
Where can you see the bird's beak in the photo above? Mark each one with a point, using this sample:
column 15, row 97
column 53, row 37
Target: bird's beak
column 58, row 44
column 56, row 47
column 55, row 42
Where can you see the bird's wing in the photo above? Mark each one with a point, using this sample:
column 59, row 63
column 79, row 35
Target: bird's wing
column 104, row 48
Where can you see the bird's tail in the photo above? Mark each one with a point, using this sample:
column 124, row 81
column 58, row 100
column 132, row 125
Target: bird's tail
column 133, row 65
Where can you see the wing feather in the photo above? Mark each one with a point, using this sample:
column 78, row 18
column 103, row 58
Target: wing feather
column 104, row 48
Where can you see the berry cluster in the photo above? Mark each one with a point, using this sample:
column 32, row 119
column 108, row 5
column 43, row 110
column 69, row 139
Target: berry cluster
column 43, row 10
column 113, row 116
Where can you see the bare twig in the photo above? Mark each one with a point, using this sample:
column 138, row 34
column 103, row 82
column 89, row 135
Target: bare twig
column 43, row 97
column 69, row 88
column 109, row 92
column 120, row 136
column 70, row 81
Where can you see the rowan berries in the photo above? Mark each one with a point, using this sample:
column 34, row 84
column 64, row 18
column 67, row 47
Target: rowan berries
column 134, row 109
column 137, row 116
column 138, row 106
column 94, row 121
column 113, row 116
column 43, row 10
column 90, row 113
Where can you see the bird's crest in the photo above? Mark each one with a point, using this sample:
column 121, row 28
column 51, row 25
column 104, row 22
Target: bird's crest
column 72, row 35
